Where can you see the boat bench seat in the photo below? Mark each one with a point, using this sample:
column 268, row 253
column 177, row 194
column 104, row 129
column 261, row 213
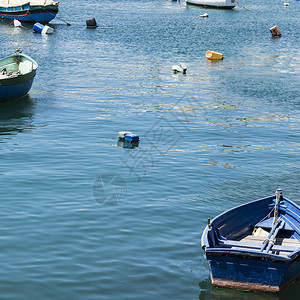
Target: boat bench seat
column 279, row 241
column 257, row 245
column 25, row 67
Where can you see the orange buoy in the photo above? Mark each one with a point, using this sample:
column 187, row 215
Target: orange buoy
column 214, row 55
column 275, row 31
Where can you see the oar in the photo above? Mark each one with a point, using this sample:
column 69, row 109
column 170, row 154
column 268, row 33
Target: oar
column 271, row 242
column 266, row 241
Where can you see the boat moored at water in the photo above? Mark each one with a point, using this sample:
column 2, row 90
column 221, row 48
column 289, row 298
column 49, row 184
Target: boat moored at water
column 214, row 3
column 16, row 75
column 42, row 11
column 255, row 246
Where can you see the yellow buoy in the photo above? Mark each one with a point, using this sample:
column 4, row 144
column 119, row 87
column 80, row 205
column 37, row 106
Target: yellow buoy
column 214, row 55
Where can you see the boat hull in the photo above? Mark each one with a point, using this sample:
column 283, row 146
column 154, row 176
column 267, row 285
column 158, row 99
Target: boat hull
column 213, row 4
column 16, row 84
column 252, row 273
column 31, row 14
column 10, row 92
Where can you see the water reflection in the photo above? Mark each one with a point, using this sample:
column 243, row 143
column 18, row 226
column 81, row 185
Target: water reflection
column 128, row 145
column 16, row 116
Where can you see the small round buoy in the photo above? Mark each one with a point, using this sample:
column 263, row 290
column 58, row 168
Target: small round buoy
column 204, row 15
column 286, row 4
column 91, row 23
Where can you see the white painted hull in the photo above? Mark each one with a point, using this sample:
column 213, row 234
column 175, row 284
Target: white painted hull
column 214, row 3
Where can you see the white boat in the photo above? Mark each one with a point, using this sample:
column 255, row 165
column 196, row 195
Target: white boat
column 214, row 3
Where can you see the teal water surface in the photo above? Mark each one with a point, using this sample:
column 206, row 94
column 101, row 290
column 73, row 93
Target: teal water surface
column 84, row 218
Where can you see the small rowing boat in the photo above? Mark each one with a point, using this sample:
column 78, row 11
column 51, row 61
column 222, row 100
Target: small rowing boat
column 42, row 11
column 255, row 246
column 214, row 3
column 16, row 75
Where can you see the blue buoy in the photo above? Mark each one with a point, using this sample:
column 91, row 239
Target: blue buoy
column 38, row 27
column 43, row 29
column 133, row 138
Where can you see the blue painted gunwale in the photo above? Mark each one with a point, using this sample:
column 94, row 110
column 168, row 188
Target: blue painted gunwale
column 249, row 269
column 19, row 85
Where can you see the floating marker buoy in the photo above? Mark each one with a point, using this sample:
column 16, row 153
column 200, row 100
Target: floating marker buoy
column 286, row 4
column 180, row 69
column 40, row 28
column 91, row 23
column 184, row 68
column 204, row 15
column 275, row 31
column 132, row 138
column 17, row 23
column 176, row 69
column 214, row 55
column 47, row 30
column 122, row 134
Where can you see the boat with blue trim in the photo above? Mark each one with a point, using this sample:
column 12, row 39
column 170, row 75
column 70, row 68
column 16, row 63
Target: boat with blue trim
column 42, row 11
column 255, row 246
column 16, row 75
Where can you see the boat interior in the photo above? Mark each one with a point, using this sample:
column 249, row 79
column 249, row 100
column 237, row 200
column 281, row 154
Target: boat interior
column 14, row 68
column 260, row 228
column 267, row 237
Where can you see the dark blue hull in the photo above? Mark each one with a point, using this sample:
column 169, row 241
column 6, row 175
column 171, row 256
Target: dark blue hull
column 251, row 273
column 16, row 76
column 27, row 13
column 10, row 92
column 41, row 17
column 255, row 246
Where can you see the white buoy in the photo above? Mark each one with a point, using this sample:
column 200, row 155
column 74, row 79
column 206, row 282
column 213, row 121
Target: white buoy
column 204, row 15
column 17, row 23
column 286, row 4
column 122, row 134
column 184, row 67
column 180, row 69
column 47, row 30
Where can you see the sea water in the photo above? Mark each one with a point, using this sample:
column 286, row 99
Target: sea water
column 85, row 216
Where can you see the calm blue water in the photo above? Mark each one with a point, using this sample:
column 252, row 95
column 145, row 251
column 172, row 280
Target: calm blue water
column 84, row 218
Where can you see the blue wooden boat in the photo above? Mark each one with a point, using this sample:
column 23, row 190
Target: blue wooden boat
column 255, row 246
column 16, row 75
column 42, row 11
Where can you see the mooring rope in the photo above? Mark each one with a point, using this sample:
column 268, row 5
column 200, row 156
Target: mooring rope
column 239, row 4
